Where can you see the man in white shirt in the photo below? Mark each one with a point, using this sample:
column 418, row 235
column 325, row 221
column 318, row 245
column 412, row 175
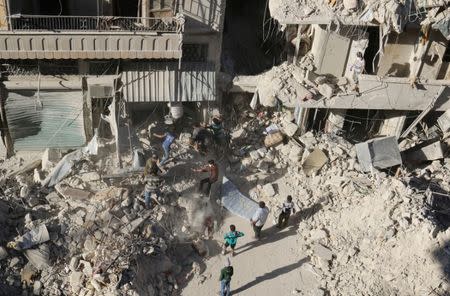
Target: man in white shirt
column 288, row 207
column 259, row 218
column 357, row 68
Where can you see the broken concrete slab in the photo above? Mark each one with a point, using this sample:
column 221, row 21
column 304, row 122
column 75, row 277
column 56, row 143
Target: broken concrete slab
column 273, row 139
column 290, row 128
column 322, row 252
column 50, row 158
column 380, row 153
column 72, row 193
column 39, row 257
column 424, row 152
column 444, row 121
column 268, row 189
column 314, row 162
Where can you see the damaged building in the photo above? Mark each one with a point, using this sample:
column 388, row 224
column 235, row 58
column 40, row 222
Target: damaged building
column 405, row 50
column 65, row 63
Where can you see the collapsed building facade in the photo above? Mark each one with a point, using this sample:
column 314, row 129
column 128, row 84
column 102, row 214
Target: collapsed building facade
column 66, row 62
column 404, row 44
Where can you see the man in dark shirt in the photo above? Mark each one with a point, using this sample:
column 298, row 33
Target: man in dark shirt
column 213, row 170
column 225, row 278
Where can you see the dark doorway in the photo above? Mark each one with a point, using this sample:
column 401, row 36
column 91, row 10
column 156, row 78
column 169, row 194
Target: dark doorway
column 127, row 8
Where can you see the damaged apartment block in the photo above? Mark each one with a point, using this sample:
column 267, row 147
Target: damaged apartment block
column 67, row 64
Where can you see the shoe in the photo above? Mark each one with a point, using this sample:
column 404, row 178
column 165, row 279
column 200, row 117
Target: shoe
column 223, row 252
column 233, row 253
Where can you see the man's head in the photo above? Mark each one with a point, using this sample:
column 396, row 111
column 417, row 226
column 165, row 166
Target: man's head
column 216, row 120
column 211, row 162
column 232, row 227
column 262, row 204
column 154, row 157
column 289, row 198
column 359, row 54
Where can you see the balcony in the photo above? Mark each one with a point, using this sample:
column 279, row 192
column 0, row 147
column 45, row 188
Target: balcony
column 90, row 37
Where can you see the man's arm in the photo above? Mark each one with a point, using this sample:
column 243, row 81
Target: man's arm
column 159, row 135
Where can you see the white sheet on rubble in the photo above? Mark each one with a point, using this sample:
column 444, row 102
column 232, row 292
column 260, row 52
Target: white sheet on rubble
column 235, row 202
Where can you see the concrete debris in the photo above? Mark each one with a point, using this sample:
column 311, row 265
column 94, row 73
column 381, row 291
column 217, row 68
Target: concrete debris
column 274, row 139
column 314, row 162
column 424, row 152
column 444, row 121
column 268, row 189
column 322, row 252
column 378, row 153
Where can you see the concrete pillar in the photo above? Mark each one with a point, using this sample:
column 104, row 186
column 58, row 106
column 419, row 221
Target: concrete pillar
column 301, row 118
column 393, row 124
column 335, row 120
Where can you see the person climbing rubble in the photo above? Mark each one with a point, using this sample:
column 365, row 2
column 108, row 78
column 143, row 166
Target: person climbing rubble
column 218, row 132
column 259, row 219
column 213, row 171
column 225, row 278
column 287, row 208
column 152, row 166
column 357, row 69
column 168, row 139
column 152, row 189
column 231, row 239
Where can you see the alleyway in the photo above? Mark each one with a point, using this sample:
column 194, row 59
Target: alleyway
column 268, row 267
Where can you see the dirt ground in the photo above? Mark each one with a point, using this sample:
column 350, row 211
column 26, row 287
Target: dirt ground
column 266, row 267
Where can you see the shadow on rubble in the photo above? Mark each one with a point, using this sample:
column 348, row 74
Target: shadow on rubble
column 442, row 255
column 436, row 202
column 274, row 234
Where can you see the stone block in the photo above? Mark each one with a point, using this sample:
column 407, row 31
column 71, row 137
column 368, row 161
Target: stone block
column 269, row 190
column 322, row 252
column 290, row 128
column 444, row 121
column 381, row 153
column 424, row 152
column 254, row 155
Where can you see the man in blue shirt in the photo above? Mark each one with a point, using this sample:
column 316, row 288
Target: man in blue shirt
column 168, row 139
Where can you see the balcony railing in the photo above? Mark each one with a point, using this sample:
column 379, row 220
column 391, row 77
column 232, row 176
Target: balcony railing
column 92, row 23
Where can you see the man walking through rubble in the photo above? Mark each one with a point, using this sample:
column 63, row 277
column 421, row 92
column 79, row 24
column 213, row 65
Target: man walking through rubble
column 288, row 207
column 168, row 139
column 213, row 171
column 152, row 188
column 357, row 67
column 259, row 219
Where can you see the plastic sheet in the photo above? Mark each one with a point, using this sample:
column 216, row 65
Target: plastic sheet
column 235, row 202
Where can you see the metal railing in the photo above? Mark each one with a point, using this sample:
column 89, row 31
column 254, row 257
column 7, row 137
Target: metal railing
column 92, row 23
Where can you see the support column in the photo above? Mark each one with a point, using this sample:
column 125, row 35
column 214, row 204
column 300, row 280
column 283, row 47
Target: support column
column 4, row 130
column 145, row 7
column 393, row 124
column 335, row 120
column 301, row 118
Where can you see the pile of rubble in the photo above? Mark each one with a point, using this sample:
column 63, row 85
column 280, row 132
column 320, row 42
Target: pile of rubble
column 369, row 233
column 90, row 233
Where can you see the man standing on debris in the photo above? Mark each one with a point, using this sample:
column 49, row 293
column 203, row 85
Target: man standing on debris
column 213, row 171
column 259, row 218
column 225, row 278
column 198, row 139
column 217, row 129
column 152, row 188
column 168, row 139
column 151, row 165
column 357, row 67
column 288, row 207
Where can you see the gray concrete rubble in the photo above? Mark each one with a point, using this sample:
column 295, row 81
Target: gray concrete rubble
column 378, row 153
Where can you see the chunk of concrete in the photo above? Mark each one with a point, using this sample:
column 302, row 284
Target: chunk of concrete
column 274, row 139
column 37, row 286
column 254, row 155
column 424, row 152
column 290, row 128
column 380, row 153
column 326, row 90
column 3, row 253
column 314, row 162
column 322, row 252
column 269, row 190
column 72, row 193
column 444, row 121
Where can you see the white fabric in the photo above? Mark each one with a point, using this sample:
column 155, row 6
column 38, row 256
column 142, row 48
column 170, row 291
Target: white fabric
column 260, row 216
column 288, row 206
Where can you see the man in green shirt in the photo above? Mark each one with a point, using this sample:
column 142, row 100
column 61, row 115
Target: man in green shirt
column 225, row 277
